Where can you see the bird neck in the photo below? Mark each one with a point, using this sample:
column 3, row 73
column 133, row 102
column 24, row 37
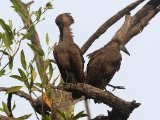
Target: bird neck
column 112, row 44
column 66, row 34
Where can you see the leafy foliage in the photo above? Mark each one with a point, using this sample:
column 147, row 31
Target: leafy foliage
column 10, row 44
column 69, row 115
column 13, row 89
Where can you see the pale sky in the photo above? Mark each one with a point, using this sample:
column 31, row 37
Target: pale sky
column 139, row 72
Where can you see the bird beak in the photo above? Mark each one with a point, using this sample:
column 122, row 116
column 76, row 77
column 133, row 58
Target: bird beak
column 125, row 50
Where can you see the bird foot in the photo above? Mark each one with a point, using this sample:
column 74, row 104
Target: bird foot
column 116, row 87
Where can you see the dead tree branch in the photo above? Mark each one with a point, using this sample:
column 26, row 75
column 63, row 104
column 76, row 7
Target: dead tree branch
column 102, row 29
column 134, row 25
column 107, row 98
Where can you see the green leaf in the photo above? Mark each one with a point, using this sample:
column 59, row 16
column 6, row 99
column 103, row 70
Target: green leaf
column 46, row 64
column 49, row 5
column 13, row 89
column 22, row 73
column 32, row 47
column 61, row 114
column 14, row 106
column 1, row 110
column 18, row 9
column 24, row 117
column 15, row 3
column 8, row 33
column 47, row 39
column 24, row 77
column 2, row 72
column 39, row 13
column 38, row 84
column 34, row 75
column 29, row 33
column 34, row 58
column 23, row 60
column 10, row 24
column 17, row 77
column 10, row 62
column 40, row 52
column 3, row 36
column 5, row 108
column 20, row 13
column 50, row 70
column 46, row 117
column 79, row 115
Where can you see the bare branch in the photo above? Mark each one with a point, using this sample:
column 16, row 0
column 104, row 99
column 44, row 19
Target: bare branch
column 19, row 93
column 108, row 24
column 134, row 25
column 101, row 96
column 9, row 105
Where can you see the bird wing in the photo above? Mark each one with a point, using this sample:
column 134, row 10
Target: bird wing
column 102, row 66
column 95, row 52
column 77, row 62
column 95, row 71
column 62, row 60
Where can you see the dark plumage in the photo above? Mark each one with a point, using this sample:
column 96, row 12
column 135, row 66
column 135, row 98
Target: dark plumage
column 67, row 54
column 104, row 63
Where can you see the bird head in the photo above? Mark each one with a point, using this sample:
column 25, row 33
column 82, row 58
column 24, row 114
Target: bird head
column 64, row 20
column 119, row 45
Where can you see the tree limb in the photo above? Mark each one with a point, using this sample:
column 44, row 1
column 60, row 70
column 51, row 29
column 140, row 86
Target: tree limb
column 134, row 25
column 105, row 97
column 114, row 114
column 102, row 29
column 63, row 100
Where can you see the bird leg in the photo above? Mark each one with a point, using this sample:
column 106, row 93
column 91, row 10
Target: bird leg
column 115, row 87
column 67, row 76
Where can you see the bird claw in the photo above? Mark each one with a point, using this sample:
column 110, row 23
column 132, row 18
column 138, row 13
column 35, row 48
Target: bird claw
column 116, row 87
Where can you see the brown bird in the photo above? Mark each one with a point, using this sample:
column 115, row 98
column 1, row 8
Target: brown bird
column 67, row 54
column 104, row 63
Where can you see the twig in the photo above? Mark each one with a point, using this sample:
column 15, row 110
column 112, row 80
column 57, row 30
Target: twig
column 116, row 87
column 19, row 93
column 9, row 105
column 87, row 109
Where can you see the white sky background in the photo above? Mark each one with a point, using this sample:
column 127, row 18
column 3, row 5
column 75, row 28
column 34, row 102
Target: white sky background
column 139, row 72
